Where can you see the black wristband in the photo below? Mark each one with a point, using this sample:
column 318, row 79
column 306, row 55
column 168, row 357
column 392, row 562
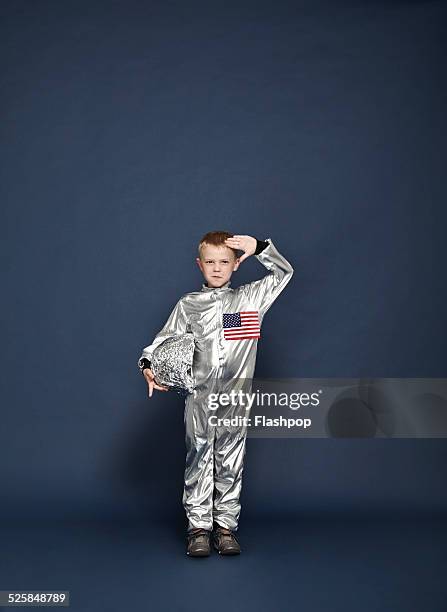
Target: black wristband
column 260, row 246
column 145, row 363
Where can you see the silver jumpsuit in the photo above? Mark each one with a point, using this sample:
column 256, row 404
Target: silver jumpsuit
column 224, row 360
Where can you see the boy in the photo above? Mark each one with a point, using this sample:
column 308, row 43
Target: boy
column 226, row 324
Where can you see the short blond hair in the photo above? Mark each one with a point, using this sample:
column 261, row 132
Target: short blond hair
column 216, row 239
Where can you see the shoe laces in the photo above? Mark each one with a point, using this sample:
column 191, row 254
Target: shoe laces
column 225, row 533
column 198, row 533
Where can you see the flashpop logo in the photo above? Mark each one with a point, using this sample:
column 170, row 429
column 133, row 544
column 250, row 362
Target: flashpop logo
column 293, row 400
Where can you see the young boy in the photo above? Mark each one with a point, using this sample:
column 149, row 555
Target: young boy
column 226, row 324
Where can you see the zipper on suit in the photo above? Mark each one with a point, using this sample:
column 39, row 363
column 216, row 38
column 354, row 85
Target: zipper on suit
column 219, row 314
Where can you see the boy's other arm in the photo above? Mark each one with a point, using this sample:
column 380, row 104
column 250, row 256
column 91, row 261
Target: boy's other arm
column 264, row 292
column 175, row 324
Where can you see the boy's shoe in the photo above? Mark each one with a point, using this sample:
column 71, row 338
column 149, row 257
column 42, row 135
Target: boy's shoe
column 225, row 541
column 198, row 543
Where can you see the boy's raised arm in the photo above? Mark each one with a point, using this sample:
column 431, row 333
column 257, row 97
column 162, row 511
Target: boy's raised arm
column 264, row 292
column 176, row 324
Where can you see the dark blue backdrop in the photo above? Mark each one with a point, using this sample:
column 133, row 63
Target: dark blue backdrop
column 128, row 130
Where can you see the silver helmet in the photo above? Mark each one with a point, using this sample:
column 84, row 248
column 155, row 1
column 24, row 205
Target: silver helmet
column 171, row 363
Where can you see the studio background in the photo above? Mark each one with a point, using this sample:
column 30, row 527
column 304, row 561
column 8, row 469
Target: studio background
column 128, row 131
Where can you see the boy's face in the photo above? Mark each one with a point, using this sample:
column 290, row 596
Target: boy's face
column 217, row 264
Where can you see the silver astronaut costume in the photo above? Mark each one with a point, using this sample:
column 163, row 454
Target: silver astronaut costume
column 215, row 453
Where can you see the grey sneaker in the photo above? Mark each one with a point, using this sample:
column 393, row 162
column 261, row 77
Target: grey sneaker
column 198, row 543
column 225, row 541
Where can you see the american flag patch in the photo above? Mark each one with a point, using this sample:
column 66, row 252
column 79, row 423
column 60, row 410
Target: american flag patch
column 241, row 325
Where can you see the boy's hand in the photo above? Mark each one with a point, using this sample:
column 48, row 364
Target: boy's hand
column 150, row 379
column 242, row 243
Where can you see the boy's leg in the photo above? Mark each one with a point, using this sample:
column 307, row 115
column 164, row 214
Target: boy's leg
column 229, row 452
column 199, row 481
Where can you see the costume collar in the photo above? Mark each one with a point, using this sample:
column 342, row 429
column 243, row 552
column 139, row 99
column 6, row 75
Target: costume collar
column 225, row 286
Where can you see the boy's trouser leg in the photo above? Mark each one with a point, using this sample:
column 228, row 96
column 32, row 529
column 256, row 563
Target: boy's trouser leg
column 229, row 452
column 199, row 481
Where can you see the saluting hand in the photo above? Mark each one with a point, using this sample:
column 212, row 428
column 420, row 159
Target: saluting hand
column 242, row 243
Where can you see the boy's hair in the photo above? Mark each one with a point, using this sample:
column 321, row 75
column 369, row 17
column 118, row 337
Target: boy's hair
column 216, row 239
